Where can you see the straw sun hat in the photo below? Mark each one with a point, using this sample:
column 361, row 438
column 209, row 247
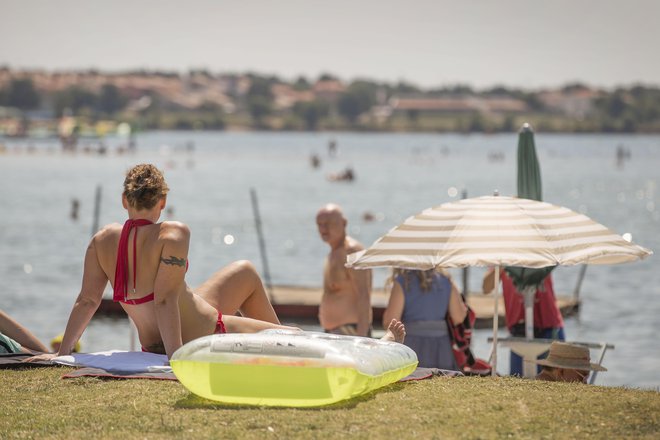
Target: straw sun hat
column 564, row 355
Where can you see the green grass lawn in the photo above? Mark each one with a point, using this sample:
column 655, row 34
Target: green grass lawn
column 36, row 403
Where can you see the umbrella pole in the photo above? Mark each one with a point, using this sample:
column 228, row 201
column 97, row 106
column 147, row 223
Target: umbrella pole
column 578, row 285
column 466, row 269
column 529, row 294
column 529, row 368
column 496, row 317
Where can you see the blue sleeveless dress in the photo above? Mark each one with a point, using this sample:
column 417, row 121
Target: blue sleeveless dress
column 424, row 317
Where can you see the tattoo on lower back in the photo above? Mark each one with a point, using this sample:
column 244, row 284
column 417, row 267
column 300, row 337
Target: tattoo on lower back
column 174, row 261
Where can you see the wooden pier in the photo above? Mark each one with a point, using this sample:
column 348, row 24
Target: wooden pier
column 300, row 305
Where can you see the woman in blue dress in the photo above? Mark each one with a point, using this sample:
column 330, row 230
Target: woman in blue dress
column 422, row 300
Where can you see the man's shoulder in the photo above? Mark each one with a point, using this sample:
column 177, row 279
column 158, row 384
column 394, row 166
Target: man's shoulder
column 352, row 245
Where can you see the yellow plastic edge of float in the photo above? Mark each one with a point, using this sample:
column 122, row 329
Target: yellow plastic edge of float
column 277, row 385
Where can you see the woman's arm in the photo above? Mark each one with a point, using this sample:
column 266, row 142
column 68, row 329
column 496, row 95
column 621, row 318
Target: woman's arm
column 457, row 309
column 11, row 328
column 488, row 284
column 88, row 300
column 395, row 305
column 169, row 284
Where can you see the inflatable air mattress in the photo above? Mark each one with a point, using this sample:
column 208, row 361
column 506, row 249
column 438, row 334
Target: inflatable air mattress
column 276, row 368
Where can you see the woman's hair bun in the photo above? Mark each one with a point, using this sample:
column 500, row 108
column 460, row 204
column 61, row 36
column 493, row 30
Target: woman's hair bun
column 144, row 186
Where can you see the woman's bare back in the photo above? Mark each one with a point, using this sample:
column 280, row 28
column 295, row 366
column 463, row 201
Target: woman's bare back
column 198, row 318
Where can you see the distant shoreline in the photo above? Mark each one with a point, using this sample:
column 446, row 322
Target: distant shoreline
column 201, row 100
column 52, row 134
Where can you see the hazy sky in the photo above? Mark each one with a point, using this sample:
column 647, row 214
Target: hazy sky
column 522, row 43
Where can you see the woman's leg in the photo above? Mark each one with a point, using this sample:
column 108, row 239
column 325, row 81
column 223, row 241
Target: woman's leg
column 237, row 287
column 240, row 324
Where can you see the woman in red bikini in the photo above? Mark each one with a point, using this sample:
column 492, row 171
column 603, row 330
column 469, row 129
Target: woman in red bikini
column 146, row 262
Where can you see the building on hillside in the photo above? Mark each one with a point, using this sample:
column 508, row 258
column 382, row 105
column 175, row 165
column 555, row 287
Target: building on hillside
column 285, row 96
column 500, row 105
column 430, row 105
column 457, row 104
column 576, row 102
column 328, row 90
column 235, row 86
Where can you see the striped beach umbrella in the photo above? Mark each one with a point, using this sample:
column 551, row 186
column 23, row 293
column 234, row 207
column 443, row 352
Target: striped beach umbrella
column 496, row 231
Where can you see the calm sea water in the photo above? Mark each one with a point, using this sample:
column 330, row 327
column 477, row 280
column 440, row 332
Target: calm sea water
column 397, row 175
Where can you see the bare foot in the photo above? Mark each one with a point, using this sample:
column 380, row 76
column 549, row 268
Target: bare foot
column 396, row 332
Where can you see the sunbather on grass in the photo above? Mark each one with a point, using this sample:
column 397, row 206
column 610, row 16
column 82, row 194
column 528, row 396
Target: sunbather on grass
column 146, row 263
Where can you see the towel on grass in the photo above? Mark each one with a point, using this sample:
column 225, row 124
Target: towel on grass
column 118, row 361
column 100, row 373
column 14, row 361
column 118, row 364
column 418, row 374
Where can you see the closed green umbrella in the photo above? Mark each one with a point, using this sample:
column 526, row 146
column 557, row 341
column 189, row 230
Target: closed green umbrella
column 529, row 172
column 529, row 187
column 526, row 279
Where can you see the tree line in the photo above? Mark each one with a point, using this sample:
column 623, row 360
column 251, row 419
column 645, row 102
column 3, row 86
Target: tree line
column 632, row 109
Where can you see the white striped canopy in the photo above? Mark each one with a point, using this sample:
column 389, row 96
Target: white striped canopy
column 497, row 231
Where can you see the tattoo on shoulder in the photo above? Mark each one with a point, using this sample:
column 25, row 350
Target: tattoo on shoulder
column 174, row 261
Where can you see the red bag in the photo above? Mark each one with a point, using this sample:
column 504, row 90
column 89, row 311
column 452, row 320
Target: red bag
column 461, row 337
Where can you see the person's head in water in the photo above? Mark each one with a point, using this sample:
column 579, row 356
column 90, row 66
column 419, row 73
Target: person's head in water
column 144, row 187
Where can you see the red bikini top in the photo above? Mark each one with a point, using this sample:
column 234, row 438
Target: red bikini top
column 121, row 272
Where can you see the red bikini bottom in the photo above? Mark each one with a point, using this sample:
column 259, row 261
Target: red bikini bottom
column 219, row 329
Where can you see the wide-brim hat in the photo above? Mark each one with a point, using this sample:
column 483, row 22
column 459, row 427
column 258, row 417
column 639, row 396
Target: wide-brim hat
column 573, row 356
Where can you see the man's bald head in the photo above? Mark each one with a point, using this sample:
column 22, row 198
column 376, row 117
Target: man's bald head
column 331, row 224
column 331, row 210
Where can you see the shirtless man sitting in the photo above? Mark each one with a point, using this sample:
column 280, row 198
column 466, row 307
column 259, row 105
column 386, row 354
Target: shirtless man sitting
column 346, row 302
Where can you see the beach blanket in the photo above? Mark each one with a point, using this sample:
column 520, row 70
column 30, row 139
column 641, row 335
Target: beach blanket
column 118, row 361
column 117, row 364
column 101, row 373
column 418, row 374
column 15, row 361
